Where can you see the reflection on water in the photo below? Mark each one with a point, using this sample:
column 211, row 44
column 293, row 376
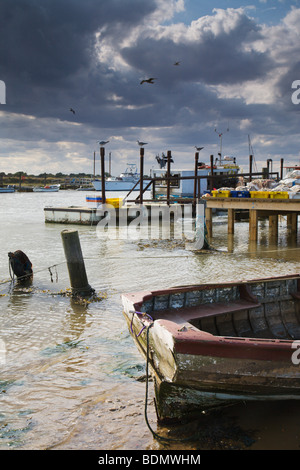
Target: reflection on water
column 72, row 377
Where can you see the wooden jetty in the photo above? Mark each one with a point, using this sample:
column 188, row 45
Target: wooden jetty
column 257, row 207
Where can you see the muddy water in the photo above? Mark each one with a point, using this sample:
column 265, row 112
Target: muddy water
column 71, row 377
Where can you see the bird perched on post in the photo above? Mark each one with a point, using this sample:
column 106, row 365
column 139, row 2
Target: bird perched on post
column 199, row 148
column 141, row 144
column 148, row 80
column 103, row 142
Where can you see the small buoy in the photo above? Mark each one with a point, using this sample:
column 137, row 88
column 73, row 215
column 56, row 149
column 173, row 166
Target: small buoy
column 20, row 264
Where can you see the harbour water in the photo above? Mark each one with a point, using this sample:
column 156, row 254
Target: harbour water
column 70, row 374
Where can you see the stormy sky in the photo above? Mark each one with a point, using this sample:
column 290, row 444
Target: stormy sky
column 237, row 63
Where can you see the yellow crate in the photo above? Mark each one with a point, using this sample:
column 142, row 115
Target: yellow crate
column 279, row 195
column 217, row 193
column 260, row 194
column 115, row 202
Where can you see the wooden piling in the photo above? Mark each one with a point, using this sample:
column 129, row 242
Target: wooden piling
column 253, row 220
column 250, row 167
column 273, row 226
column 169, row 156
column 102, row 156
column 231, row 214
column 208, row 221
column 196, row 174
column 75, row 263
column 141, row 174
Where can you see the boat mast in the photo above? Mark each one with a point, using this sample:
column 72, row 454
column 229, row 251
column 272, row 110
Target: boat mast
column 221, row 138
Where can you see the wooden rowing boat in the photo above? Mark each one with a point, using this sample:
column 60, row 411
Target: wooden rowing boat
column 215, row 344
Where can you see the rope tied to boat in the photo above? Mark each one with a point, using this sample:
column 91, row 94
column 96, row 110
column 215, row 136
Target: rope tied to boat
column 142, row 314
column 147, row 328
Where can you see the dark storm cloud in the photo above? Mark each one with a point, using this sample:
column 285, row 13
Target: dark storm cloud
column 212, row 58
column 47, row 49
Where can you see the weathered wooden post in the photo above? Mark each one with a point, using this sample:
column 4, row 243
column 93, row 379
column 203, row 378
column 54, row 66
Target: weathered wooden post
column 75, row 263
column 250, row 167
column 281, row 168
column 211, row 172
column 141, row 174
column 102, row 154
column 169, row 156
column 196, row 174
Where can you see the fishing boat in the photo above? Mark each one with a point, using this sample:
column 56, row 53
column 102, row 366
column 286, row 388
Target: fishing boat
column 8, row 189
column 47, row 189
column 126, row 181
column 212, row 345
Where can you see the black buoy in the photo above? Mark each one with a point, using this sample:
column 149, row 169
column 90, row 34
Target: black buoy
column 20, row 264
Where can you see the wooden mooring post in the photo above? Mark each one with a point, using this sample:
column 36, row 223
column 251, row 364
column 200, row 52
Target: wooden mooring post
column 75, row 263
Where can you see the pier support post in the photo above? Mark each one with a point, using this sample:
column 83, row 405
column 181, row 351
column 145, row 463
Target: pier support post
column 230, row 221
column 253, row 220
column 75, row 263
column 292, row 222
column 273, row 226
column 208, row 219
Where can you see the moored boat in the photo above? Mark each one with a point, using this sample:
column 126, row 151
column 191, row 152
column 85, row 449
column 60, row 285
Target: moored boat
column 47, row 189
column 8, row 189
column 126, row 181
column 212, row 345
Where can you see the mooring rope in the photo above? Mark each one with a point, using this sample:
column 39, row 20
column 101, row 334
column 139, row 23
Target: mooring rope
column 155, row 435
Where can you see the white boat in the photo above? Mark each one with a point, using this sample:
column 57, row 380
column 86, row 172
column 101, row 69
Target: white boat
column 8, row 189
column 124, row 182
column 47, row 189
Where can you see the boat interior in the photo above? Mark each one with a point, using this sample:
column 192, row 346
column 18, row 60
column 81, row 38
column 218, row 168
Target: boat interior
column 267, row 309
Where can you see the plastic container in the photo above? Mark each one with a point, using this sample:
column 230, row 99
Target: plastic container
column 116, row 202
column 260, row 194
column 223, row 193
column 279, row 195
column 240, row 194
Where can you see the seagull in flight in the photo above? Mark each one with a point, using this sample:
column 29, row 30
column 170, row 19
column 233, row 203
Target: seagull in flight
column 148, row 80
column 72, row 110
column 141, row 144
column 199, row 148
column 103, row 142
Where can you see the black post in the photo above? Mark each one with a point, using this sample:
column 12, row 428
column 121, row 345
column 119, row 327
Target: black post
column 141, row 173
column 211, row 171
column 250, row 166
column 196, row 174
column 281, row 168
column 102, row 154
column 169, row 156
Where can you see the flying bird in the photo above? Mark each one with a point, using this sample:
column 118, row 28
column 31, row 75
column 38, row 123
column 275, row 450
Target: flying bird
column 199, row 148
column 72, row 110
column 141, row 144
column 103, row 142
column 148, row 80
column 177, row 63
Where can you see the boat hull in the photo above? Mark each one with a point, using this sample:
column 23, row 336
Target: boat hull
column 117, row 185
column 194, row 368
column 7, row 190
